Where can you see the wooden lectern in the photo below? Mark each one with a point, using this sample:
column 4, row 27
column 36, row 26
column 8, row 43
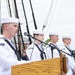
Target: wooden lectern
column 54, row 66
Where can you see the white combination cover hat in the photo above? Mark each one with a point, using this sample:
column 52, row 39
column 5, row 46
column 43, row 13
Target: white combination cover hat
column 9, row 20
column 38, row 31
column 53, row 33
column 65, row 37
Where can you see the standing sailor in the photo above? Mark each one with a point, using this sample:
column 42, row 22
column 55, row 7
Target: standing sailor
column 9, row 56
column 66, row 48
column 51, row 51
column 35, row 51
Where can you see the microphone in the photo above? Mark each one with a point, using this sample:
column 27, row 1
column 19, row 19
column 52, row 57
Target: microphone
column 52, row 46
column 26, row 34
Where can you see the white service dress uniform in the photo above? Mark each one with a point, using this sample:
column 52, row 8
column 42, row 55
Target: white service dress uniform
column 8, row 57
column 71, row 62
column 48, row 52
column 33, row 53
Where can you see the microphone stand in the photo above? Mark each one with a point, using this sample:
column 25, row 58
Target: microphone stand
column 50, row 45
column 35, row 38
column 52, row 48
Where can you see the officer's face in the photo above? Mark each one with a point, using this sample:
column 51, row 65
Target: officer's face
column 12, row 29
column 54, row 38
column 67, row 41
column 40, row 37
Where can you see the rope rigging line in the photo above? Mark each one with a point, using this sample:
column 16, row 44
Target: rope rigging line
column 47, row 17
column 47, row 28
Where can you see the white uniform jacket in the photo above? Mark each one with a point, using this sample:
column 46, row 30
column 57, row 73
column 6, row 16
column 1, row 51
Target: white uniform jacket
column 71, row 64
column 33, row 53
column 8, row 58
column 48, row 52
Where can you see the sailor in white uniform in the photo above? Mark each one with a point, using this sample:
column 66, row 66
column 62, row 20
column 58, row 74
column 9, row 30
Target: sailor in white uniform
column 8, row 56
column 35, row 51
column 51, row 51
column 66, row 48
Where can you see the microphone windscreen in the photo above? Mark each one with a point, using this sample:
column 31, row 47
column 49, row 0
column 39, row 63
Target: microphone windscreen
column 25, row 33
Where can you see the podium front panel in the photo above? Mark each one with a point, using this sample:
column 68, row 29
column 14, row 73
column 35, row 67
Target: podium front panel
column 44, row 67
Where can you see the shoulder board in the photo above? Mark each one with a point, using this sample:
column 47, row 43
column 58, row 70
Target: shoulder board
column 2, row 44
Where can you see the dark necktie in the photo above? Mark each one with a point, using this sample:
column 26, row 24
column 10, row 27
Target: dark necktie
column 69, row 50
column 16, row 51
column 42, row 54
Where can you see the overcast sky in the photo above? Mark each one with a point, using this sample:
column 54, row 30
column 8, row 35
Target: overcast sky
column 61, row 18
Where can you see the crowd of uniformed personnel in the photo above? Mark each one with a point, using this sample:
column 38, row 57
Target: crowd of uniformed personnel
column 9, row 56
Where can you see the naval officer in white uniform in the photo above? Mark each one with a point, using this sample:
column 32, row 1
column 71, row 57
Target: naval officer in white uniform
column 66, row 48
column 8, row 56
column 35, row 51
column 51, row 51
